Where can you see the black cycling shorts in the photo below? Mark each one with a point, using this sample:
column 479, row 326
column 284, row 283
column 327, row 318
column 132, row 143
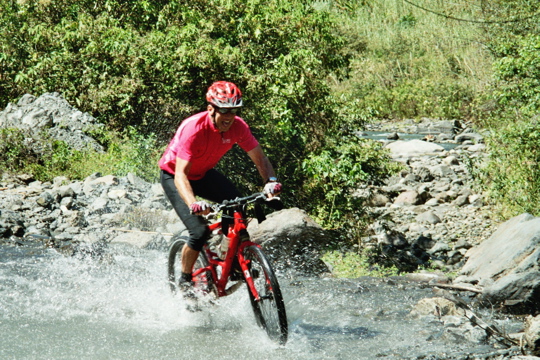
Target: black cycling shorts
column 214, row 187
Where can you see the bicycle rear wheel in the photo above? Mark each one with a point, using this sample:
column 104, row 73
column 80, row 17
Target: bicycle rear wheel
column 202, row 282
column 269, row 310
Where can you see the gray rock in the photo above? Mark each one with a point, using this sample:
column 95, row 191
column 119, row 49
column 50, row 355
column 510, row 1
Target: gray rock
column 51, row 114
column 442, row 171
column 293, row 240
column 474, row 137
column 439, row 247
column 532, row 333
column 378, row 200
column 408, row 149
column 506, row 264
column 411, row 197
column 45, row 199
column 428, row 217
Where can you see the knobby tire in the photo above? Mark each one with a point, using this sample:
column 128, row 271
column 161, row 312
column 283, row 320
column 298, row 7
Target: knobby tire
column 203, row 282
column 270, row 310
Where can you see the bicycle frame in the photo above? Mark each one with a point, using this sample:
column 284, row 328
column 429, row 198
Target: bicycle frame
column 236, row 249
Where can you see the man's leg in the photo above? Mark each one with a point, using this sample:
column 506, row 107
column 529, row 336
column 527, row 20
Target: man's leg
column 198, row 230
column 216, row 187
column 189, row 256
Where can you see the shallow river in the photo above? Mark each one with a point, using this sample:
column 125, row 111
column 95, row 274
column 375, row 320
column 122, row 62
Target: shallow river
column 57, row 307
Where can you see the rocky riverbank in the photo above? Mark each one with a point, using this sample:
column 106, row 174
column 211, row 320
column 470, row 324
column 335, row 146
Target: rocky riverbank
column 432, row 210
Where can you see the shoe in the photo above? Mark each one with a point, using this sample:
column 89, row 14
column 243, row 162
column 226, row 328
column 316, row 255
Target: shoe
column 187, row 288
column 188, row 294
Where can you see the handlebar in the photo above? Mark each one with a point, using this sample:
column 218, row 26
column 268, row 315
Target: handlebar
column 231, row 204
column 260, row 197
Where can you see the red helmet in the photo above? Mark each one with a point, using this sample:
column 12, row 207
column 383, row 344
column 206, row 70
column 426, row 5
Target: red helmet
column 224, row 94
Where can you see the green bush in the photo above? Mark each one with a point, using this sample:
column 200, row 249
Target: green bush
column 518, row 76
column 146, row 65
column 15, row 152
column 352, row 265
column 335, row 173
column 512, row 175
column 45, row 158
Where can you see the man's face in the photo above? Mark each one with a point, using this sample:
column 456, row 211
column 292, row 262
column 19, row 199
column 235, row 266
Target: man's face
column 223, row 122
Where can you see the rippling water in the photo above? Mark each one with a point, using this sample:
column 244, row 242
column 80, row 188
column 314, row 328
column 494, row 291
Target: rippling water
column 57, row 307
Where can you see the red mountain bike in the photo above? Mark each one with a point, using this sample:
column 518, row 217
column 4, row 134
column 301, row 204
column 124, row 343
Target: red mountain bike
column 245, row 262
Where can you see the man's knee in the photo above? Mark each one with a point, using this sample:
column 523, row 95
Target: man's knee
column 198, row 236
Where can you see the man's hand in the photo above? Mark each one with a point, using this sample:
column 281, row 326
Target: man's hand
column 272, row 189
column 200, row 208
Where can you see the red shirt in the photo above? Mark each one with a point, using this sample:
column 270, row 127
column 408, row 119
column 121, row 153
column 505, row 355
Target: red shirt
column 199, row 142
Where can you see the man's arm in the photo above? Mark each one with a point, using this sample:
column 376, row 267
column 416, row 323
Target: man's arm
column 182, row 183
column 262, row 163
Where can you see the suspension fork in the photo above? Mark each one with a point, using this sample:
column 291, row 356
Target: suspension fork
column 244, row 265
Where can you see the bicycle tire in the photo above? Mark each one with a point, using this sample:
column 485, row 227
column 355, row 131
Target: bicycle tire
column 203, row 282
column 270, row 310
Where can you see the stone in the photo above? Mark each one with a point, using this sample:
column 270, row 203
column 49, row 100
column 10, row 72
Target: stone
column 45, row 199
column 407, row 149
column 293, row 240
column 436, row 306
column 428, row 217
column 450, row 160
column 411, row 197
column 532, row 333
column 378, row 200
column 506, row 265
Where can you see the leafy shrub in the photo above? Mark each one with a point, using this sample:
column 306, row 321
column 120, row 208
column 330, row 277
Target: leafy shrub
column 353, row 265
column 14, row 151
column 512, row 175
column 146, row 65
column 518, row 75
column 45, row 158
column 333, row 176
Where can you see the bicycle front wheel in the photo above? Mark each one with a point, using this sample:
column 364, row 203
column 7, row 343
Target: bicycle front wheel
column 269, row 309
column 202, row 282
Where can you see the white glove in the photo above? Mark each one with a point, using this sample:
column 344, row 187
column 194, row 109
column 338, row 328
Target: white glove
column 199, row 207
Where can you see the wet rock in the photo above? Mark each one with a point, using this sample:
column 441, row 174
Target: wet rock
column 142, row 240
column 436, row 306
column 11, row 223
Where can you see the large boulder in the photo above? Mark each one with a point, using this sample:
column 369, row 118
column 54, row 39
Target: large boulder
column 506, row 266
column 292, row 240
column 408, row 149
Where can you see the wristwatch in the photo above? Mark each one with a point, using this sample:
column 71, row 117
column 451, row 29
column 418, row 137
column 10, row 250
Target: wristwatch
column 271, row 179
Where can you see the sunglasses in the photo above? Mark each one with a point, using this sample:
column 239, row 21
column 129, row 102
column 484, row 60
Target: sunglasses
column 227, row 110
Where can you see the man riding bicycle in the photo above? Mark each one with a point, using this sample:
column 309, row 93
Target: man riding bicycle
column 187, row 165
